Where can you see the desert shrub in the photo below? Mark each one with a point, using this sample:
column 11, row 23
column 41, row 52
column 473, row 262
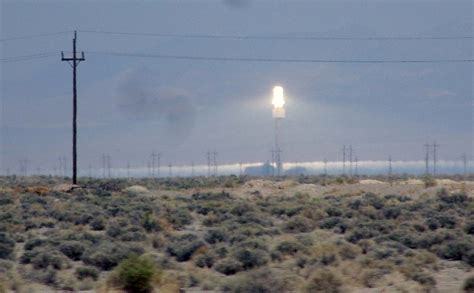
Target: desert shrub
column 253, row 217
column 205, row 260
column 370, row 277
column 428, row 181
column 150, row 223
column 213, row 236
column 289, row 247
column 361, row 233
column 330, row 223
column 241, row 208
column 424, row 279
column 299, row 224
column 446, row 221
column 468, row 285
column 468, row 257
column 228, row 266
column 469, row 228
column 391, row 212
column 261, row 281
column 97, row 224
column 108, row 255
column 7, row 245
column 182, row 247
column 72, row 249
column 41, row 258
column 5, row 199
column 348, row 251
column 373, row 200
column 455, row 250
column 133, row 234
column 453, row 199
column 251, row 258
column 334, row 212
column 114, row 229
column 136, row 274
column 324, row 281
column 87, row 272
column 432, row 223
column 48, row 277
column 180, row 217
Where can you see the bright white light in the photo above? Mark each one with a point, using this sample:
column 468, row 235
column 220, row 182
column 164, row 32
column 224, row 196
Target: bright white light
column 278, row 100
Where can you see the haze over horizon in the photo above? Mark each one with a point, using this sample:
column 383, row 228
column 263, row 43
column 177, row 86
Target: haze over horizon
column 131, row 106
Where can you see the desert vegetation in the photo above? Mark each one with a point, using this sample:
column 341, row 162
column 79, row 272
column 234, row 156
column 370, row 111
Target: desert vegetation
column 165, row 235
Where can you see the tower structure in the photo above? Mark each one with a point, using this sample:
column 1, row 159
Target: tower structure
column 278, row 114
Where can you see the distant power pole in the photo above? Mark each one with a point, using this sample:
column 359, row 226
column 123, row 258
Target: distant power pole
column 427, row 159
column 350, row 160
column 214, row 154
column 435, row 146
column 155, row 160
column 170, row 169
column 109, row 166
column 325, row 167
column 23, row 167
column 390, row 169
column 74, row 62
column 390, row 165
column 240, row 169
column 90, row 171
column 104, row 165
column 128, row 169
column 208, row 164
column 344, row 160
column 192, row 169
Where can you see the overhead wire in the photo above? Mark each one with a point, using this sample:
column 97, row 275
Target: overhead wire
column 277, row 60
column 34, row 36
column 276, row 37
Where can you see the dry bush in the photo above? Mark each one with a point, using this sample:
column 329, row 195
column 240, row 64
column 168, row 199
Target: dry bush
column 323, row 280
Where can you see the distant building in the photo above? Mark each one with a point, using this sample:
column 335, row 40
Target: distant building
column 262, row 170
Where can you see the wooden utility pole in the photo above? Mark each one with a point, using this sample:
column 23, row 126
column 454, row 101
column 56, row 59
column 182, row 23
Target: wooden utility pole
column 74, row 61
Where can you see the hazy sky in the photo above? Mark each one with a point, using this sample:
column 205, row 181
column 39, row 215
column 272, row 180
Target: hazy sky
column 130, row 106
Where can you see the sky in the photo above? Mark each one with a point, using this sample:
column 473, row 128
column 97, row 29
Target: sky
column 131, row 106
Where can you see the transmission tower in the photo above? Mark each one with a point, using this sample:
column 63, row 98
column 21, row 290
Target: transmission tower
column 390, row 169
column 109, row 166
column 350, row 160
column 344, row 160
column 155, row 162
column 192, row 169
column 214, row 160
column 74, row 62
column 427, row 158
column 435, row 146
column 208, row 164
column 325, row 166
column 170, row 169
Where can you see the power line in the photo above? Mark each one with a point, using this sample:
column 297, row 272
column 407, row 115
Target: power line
column 276, row 37
column 27, row 57
column 35, row 36
column 235, row 59
column 277, row 60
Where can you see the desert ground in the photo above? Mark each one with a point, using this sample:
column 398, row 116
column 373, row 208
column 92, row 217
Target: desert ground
column 237, row 234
